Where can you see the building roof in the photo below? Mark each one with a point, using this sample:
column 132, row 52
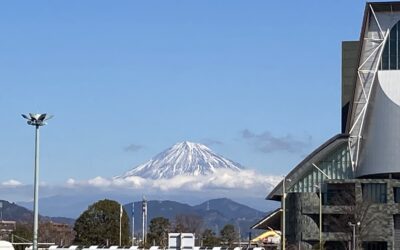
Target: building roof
column 385, row 6
column 271, row 220
column 305, row 165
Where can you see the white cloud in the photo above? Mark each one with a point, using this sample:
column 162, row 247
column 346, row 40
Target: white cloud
column 246, row 187
column 71, row 182
column 11, row 183
column 243, row 185
column 222, row 179
column 132, row 182
column 99, row 182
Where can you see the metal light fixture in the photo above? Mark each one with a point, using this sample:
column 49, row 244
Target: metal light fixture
column 353, row 226
column 36, row 120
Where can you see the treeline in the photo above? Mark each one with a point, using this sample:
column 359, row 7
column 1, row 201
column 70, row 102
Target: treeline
column 160, row 227
column 99, row 225
column 48, row 232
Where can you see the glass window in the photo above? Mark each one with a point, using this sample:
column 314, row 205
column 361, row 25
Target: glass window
column 396, row 193
column 374, row 192
column 340, row 194
column 375, row 245
column 385, row 58
column 390, row 55
column 398, row 45
column 393, row 49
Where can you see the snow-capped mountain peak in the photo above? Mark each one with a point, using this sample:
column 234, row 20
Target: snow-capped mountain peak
column 184, row 158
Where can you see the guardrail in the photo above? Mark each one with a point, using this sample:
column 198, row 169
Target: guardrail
column 76, row 247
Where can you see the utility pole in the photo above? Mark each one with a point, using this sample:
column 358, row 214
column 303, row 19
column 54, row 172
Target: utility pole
column 240, row 240
column 133, row 223
column 144, row 219
column 1, row 207
column 120, row 223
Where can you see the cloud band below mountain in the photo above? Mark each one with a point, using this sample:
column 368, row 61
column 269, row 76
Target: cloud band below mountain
column 223, row 183
column 221, row 179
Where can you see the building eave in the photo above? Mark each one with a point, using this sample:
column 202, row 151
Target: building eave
column 264, row 221
column 305, row 164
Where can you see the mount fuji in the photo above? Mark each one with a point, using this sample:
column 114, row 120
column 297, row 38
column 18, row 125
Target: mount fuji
column 184, row 158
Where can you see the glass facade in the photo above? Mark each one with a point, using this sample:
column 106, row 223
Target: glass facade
column 336, row 165
column 390, row 56
column 374, row 192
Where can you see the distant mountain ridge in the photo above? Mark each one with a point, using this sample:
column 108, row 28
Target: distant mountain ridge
column 14, row 212
column 185, row 158
column 215, row 213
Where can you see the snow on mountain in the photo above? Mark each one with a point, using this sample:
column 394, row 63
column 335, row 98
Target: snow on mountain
column 184, row 158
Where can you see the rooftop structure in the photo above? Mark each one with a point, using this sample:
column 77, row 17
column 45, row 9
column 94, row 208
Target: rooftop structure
column 355, row 174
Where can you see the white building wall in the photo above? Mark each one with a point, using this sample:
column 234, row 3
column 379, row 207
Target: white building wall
column 381, row 140
column 375, row 119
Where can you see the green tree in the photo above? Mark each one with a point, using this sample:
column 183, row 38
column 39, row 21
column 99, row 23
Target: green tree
column 158, row 232
column 100, row 223
column 228, row 234
column 209, row 238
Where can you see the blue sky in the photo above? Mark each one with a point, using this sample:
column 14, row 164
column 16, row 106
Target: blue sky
column 143, row 75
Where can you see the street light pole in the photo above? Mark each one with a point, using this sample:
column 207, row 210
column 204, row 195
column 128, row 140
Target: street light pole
column 320, row 202
column 284, row 213
column 36, row 192
column 320, row 215
column 353, row 225
column 1, row 207
column 36, row 120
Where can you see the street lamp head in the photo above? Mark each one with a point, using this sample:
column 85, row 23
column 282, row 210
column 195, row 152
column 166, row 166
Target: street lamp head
column 354, row 224
column 37, row 119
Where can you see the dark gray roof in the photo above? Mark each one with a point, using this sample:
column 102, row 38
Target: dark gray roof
column 385, row 6
column 271, row 220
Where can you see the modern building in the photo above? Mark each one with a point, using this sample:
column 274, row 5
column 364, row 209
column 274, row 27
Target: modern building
column 355, row 174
